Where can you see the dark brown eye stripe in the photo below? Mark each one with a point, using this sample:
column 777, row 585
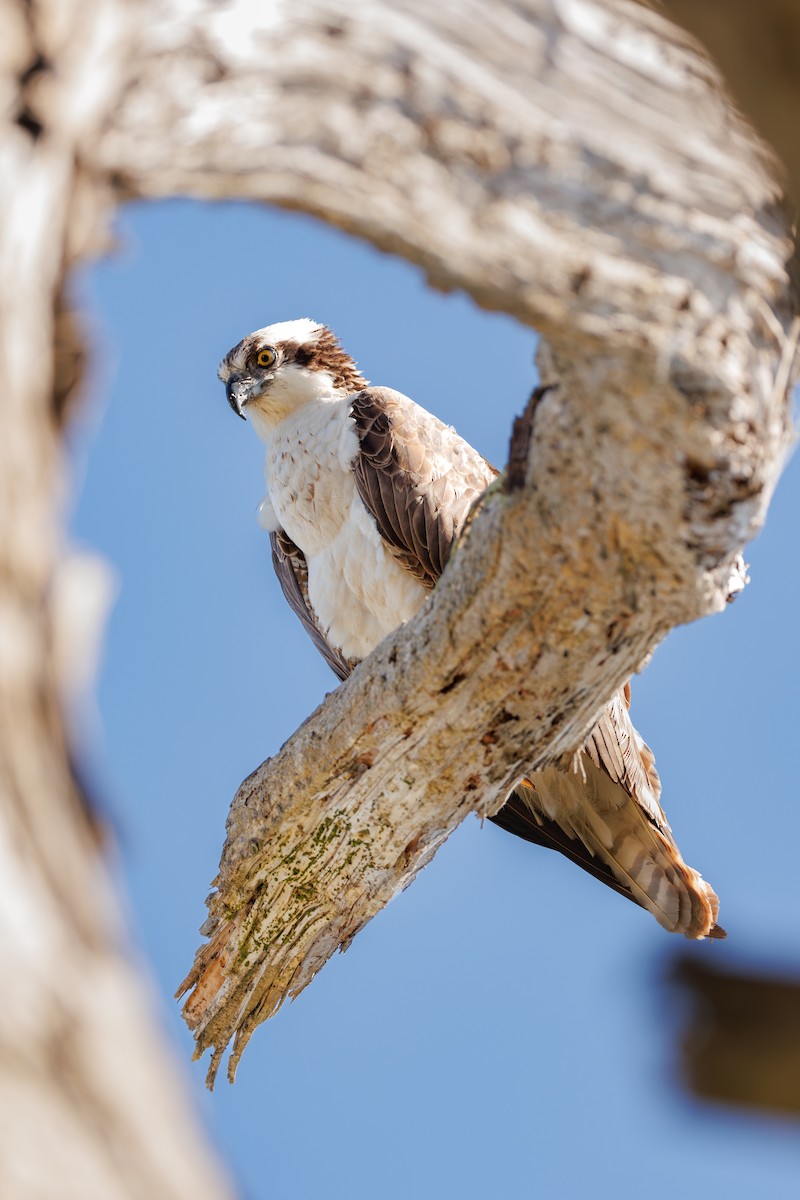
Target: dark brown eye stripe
column 325, row 354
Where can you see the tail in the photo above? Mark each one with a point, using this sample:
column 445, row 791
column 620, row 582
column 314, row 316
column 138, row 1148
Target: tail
column 604, row 814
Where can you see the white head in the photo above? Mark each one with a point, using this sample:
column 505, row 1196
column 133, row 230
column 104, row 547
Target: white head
column 276, row 370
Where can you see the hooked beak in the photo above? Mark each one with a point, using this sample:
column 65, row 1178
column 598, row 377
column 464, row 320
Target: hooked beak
column 237, row 391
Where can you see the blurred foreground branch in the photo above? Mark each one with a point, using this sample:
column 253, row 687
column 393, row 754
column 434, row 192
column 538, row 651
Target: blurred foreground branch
column 91, row 1104
column 758, row 48
column 741, row 1044
column 541, row 162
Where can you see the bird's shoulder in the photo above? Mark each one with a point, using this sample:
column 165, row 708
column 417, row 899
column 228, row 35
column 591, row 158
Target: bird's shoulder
column 397, row 434
column 416, row 476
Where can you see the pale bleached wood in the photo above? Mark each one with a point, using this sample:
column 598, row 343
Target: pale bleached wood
column 573, row 164
column 92, row 1105
column 577, row 165
column 756, row 45
column 570, row 163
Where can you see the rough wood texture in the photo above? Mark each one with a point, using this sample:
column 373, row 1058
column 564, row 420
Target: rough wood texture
column 573, row 164
column 91, row 1104
column 577, row 165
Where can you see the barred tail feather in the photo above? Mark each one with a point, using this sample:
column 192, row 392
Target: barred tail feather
column 618, row 832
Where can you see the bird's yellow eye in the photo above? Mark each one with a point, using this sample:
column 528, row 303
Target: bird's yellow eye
column 266, row 357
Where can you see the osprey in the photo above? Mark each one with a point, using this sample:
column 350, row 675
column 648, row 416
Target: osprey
column 366, row 494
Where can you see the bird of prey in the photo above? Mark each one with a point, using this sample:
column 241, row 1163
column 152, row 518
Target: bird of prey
column 366, row 494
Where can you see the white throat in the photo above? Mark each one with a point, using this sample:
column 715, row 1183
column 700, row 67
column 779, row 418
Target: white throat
column 292, row 388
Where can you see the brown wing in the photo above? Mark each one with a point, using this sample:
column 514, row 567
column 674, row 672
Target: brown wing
column 605, row 806
column 615, row 747
column 416, row 476
column 519, row 816
column 290, row 567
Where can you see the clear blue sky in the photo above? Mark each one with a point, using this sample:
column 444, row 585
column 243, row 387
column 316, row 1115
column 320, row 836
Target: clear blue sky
column 498, row 1031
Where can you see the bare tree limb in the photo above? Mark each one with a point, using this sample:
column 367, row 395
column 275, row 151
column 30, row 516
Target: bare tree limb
column 579, row 166
column 574, row 164
column 91, row 1105
column 757, row 48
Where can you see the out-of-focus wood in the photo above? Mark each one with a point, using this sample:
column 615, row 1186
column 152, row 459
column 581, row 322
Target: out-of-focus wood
column 575, row 164
column 741, row 1042
column 579, row 166
column 758, row 48
column 91, row 1103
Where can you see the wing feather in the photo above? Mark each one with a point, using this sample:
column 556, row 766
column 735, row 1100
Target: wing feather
column 609, row 802
column 290, row 567
column 416, row 477
column 521, row 817
column 616, row 747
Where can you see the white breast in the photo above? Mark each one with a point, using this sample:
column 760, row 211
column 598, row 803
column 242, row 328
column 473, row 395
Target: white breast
column 359, row 592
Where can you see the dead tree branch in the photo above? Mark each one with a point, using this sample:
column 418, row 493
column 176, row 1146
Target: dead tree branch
column 756, row 47
column 579, row 166
column 573, row 163
column 89, row 1105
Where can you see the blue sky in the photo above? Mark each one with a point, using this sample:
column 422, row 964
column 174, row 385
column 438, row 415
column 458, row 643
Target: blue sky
column 500, row 1029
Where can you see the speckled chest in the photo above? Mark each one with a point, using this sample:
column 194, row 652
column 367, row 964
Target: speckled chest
column 356, row 588
column 309, row 473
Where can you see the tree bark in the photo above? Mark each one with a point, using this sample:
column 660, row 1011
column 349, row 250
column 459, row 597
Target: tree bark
column 654, row 261
column 575, row 164
column 758, row 48
column 91, row 1104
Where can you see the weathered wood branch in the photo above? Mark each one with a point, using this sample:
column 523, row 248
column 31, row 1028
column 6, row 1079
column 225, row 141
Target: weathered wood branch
column 757, row 48
column 91, row 1105
column 574, row 164
column 577, row 165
